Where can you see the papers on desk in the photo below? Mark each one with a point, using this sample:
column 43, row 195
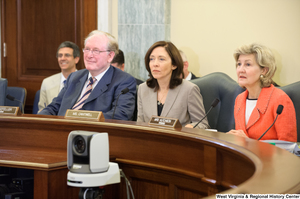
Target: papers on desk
column 214, row 130
column 289, row 146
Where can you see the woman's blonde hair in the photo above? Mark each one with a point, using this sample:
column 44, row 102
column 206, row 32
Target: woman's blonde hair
column 264, row 57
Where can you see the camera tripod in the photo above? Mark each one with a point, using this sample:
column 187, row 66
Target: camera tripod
column 91, row 193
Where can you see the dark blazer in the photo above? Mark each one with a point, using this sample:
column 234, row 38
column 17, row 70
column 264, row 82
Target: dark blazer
column 103, row 97
column 193, row 76
column 138, row 81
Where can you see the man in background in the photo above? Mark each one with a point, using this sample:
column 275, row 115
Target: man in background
column 187, row 74
column 68, row 55
column 119, row 62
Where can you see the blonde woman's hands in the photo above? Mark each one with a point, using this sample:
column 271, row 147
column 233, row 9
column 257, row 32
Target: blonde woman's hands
column 238, row 133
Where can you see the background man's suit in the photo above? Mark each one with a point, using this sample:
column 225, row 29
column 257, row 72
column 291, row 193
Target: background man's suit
column 49, row 90
column 103, row 97
column 193, row 76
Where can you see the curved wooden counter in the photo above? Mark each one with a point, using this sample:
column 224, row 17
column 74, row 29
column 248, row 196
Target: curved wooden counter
column 160, row 162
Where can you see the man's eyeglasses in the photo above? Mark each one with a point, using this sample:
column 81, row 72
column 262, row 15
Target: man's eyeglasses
column 95, row 51
column 66, row 55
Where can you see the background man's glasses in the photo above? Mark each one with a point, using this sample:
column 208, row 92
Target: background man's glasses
column 66, row 55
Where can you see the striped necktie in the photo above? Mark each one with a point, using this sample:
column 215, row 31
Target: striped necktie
column 88, row 91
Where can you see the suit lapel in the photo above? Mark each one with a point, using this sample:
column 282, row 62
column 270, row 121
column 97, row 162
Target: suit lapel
column 102, row 85
column 170, row 100
column 254, row 117
column 56, row 81
column 78, row 87
column 261, row 106
column 151, row 102
column 53, row 88
column 241, row 108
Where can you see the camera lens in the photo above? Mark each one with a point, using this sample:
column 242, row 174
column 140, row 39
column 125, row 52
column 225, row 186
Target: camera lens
column 79, row 144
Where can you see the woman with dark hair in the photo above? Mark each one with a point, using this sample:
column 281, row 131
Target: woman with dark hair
column 165, row 93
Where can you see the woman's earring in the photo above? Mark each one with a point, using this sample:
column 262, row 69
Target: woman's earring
column 261, row 76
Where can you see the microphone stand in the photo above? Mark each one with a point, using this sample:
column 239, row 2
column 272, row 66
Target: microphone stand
column 125, row 90
column 213, row 104
column 279, row 111
column 11, row 98
column 268, row 128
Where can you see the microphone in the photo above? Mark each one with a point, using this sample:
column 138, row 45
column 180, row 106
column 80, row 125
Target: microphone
column 11, row 98
column 279, row 111
column 125, row 90
column 213, row 105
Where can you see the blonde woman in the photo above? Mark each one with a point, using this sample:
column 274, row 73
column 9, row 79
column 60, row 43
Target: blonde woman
column 256, row 108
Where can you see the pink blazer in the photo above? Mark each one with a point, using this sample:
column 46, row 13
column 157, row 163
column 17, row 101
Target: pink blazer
column 264, row 113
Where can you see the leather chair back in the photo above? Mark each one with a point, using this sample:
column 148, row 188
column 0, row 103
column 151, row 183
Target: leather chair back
column 35, row 108
column 221, row 86
column 3, row 87
column 19, row 93
column 293, row 91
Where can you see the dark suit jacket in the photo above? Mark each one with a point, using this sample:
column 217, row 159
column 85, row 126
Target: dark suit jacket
column 138, row 81
column 103, row 97
column 193, row 76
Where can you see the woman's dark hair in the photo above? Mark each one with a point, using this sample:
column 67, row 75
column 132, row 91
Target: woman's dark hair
column 176, row 61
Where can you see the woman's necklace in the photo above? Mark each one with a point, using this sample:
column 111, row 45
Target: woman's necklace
column 159, row 101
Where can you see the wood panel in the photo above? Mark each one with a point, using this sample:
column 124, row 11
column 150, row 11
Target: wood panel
column 32, row 31
column 158, row 182
column 159, row 162
column 47, row 181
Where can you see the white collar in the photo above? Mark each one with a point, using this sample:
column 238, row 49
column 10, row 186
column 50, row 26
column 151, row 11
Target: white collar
column 98, row 77
column 189, row 77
